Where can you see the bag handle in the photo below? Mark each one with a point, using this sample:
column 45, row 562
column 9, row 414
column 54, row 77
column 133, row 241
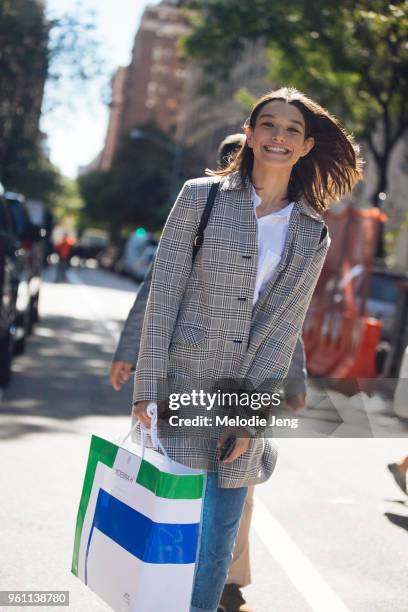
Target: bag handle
column 151, row 431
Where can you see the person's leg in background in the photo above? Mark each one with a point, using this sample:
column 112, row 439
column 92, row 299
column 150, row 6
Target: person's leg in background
column 222, row 512
column 399, row 472
column 239, row 574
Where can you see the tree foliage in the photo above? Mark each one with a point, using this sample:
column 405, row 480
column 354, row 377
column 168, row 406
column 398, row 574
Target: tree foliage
column 34, row 175
column 66, row 203
column 136, row 190
column 32, row 50
column 23, row 71
column 352, row 56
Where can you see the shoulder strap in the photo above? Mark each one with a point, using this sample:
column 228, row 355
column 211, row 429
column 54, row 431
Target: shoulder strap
column 199, row 239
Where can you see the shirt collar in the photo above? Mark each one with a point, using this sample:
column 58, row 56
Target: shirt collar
column 284, row 212
column 233, row 181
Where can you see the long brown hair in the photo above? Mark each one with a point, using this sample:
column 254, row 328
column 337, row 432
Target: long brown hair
column 328, row 172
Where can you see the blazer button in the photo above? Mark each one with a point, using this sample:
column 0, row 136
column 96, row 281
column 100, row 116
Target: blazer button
column 237, row 341
column 242, row 299
column 247, row 257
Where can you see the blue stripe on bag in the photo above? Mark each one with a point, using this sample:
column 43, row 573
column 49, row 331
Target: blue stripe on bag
column 148, row 541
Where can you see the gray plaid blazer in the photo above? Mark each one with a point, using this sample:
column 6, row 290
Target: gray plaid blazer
column 200, row 325
column 127, row 349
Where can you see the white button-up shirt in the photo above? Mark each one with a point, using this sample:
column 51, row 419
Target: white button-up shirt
column 272, row 230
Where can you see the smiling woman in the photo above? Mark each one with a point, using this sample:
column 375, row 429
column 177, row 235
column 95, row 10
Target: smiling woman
column 234, row 312
column 298, row 149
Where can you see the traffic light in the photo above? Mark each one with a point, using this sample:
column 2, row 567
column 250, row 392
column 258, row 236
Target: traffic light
column 140, row 231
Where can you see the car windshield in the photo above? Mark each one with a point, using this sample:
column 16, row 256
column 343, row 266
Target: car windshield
column 384, row 289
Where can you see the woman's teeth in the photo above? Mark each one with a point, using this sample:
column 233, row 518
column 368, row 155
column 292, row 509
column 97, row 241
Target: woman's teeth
column 276, row 149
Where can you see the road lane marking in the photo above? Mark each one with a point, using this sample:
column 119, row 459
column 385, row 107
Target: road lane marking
column 304, row 576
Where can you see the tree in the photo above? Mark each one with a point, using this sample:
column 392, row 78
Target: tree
column 136, row 190
column 35, row 176
column 33, row 50
column 23, row 71
column 351, row 56
column 66, row 203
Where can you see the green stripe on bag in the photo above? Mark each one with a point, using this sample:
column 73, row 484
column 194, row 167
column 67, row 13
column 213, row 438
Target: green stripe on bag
column 105, row 452
column 170, row 486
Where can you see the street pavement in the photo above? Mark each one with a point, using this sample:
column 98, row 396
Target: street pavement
column 330, row 527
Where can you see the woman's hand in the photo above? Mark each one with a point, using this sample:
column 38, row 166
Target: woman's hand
column 119, row 373
column 241, row 445
column 139, row 412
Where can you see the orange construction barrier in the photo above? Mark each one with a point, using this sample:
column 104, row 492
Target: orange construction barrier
column 332, row 345
column 340, row 342
column 360, row 358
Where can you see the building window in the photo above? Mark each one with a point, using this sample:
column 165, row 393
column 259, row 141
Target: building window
column 159, row 68
column 157, row 53
column 152, row 88
column 181, row 73
column 151, row 102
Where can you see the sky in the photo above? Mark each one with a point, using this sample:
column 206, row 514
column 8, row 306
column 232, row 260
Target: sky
column 76, row 131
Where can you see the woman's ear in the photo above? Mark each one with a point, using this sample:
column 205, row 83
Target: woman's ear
column 248, row 134
column 308, row 146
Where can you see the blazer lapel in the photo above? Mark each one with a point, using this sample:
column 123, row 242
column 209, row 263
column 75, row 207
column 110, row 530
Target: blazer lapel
column 242, row 200
column 248, row 226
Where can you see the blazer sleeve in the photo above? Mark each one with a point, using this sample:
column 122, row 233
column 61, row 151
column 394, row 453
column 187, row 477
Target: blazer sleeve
column 129, row 342
column 295, row 382
column 171, row 271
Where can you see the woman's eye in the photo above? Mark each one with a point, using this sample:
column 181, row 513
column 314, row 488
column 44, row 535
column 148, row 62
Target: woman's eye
column 270, row 124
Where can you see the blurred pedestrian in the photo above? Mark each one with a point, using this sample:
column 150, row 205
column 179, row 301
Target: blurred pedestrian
column 228, row 149
column 125, row 357
column 236, row 310
column 399, row 473
column 64, row 247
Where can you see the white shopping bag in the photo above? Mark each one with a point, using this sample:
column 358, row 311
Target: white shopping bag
column 137, row 529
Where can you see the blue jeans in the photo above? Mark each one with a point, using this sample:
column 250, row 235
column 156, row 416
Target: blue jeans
column 222, row 510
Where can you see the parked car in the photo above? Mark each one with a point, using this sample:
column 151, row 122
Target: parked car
column 139, row 252
column 29, row 264
column 382, row 302
column 43, row 218
column 109, row 258
column 9, row 279
column 91, row 245
column 383, row 297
